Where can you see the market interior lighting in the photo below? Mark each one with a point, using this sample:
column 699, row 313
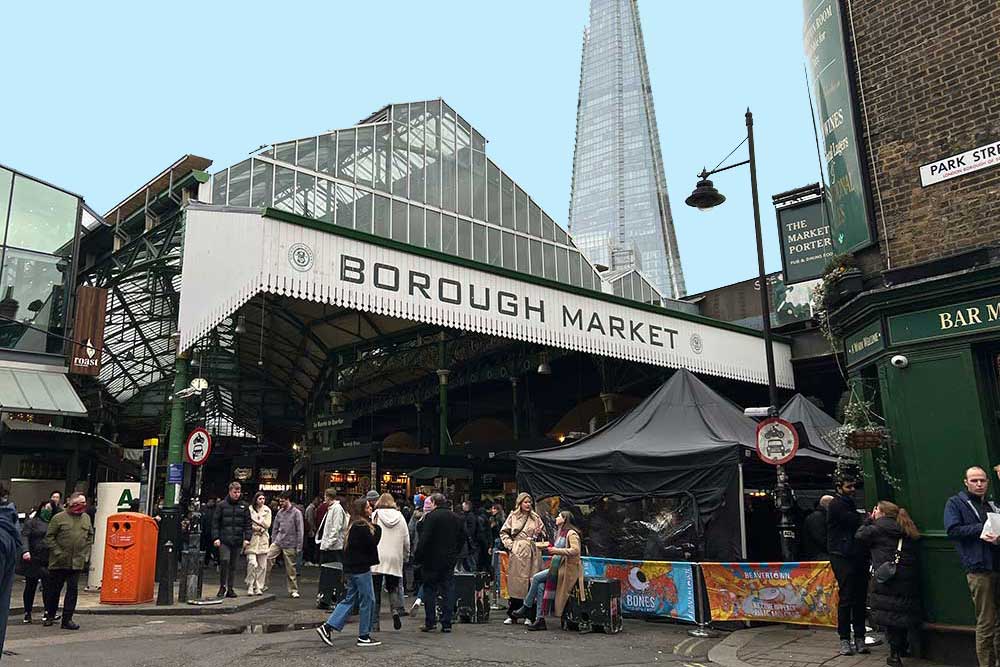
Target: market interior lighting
column 543, row 364
column 241, row 325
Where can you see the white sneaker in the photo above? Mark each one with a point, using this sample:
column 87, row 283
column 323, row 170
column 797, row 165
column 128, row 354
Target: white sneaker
column 508, row 621
column 416, row 603
column 295, row 594
column 368, row 641
column 527, row 621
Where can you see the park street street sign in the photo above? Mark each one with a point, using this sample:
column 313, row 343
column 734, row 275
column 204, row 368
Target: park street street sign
column 947, row 168
column 777, row 441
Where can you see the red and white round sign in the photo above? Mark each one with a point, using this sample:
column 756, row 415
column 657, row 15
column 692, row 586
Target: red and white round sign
column 198, row 446
column 777, row 441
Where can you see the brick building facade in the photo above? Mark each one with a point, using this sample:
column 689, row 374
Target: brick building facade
column 919, row 335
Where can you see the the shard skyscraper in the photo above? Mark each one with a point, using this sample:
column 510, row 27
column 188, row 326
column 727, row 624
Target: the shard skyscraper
column 619, row 214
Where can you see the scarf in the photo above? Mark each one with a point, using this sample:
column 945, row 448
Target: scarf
column 45, row 515
column 77, row 509
column 552, row 581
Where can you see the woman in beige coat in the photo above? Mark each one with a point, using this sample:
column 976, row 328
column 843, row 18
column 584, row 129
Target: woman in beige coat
column 260, row 542
column 566, row 567
column 518, row 535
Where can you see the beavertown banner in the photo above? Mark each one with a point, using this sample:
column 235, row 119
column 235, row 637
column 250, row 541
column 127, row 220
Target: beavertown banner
column 649, row 588
column 803, row 593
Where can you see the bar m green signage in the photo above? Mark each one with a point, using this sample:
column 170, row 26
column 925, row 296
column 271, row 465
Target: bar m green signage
column 954, row 320
column 864, row 343
column 823, row 39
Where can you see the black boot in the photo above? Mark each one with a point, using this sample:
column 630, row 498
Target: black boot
column 539, row 624
column 521, row 612
column 221, row 593
column 894, row 660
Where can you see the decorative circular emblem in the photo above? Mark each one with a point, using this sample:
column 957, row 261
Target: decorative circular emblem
column 696, row 344
column 300, row 256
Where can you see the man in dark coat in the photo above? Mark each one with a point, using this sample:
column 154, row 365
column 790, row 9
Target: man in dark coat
column 965, row 516
column 814, row 532
column 441, row 540
column 469, row 555
column 10, row 552
column 232, row 530
column 850, row 566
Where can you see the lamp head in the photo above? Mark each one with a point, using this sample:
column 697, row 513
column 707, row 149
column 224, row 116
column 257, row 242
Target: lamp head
column 705, row 196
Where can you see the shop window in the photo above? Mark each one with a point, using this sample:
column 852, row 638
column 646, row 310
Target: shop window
column 31, row 285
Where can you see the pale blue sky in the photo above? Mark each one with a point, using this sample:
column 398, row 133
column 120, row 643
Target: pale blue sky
column 102, row 96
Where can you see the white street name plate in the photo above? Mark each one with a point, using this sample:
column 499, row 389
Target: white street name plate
column 961, row 164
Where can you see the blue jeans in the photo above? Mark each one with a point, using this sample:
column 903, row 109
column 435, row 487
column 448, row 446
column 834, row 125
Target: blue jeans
column 360, row 589
column 443, row 585
column 536, row 591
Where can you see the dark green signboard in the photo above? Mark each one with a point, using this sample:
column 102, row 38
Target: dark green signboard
column 955, row 320
column 864, row 343
column 823, row 37
column 806, row 245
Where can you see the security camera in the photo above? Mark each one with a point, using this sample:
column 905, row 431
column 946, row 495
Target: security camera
column 899, row 361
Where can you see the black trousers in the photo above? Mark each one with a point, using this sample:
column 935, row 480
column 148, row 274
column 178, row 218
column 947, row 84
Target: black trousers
column 228, row 560
column 71, row 578
column 30, row 586
column 333, row 556
column 852, row 580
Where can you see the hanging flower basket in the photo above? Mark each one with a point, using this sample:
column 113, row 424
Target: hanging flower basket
column 865, row 439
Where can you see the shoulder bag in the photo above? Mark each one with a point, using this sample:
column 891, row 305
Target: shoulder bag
column 885, row 572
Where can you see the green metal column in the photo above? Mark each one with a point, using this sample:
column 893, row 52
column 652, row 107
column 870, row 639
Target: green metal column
column 515, row 420
column 175, row 452
column 442, row 373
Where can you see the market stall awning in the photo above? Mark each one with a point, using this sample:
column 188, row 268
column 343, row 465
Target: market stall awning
column 39, row 391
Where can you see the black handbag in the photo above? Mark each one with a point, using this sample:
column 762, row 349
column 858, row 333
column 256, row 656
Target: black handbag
column 885, row 572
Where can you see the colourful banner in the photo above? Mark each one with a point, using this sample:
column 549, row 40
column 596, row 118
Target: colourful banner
column 802, row 593
column 649, row 588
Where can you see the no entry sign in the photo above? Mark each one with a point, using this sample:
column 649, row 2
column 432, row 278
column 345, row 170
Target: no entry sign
column 198, row 446
column 777, row 441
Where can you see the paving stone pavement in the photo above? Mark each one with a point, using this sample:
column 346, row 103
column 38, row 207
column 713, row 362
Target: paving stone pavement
column 785, row 646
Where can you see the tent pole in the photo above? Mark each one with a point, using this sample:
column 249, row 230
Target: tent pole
column 743, row 516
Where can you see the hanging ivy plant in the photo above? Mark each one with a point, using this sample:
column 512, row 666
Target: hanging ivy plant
column 862, row 430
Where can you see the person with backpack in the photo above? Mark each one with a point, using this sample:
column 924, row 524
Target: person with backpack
column 360, row 554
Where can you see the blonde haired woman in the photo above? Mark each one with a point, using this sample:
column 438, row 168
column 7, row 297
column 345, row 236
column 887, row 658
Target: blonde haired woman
column 260, row 521
column 519, row 533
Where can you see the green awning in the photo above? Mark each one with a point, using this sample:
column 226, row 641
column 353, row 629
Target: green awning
column 430, row 472
column 39, row 391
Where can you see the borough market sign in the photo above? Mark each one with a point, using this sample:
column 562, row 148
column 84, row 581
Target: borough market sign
column 300, row 258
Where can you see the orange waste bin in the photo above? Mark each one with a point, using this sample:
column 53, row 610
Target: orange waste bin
column 129, row 559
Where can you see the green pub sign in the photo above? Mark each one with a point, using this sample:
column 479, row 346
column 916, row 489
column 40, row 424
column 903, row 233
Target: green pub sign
column 823, row 39
column 864, row 343
column 954, row 320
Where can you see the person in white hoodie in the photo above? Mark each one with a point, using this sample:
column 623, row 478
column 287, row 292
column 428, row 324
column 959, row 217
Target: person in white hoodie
column 392, row 551
column 331, row 530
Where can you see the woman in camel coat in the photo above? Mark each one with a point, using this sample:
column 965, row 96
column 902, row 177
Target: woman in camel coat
column 519, row 533
column 256, row 551
column 565, row 566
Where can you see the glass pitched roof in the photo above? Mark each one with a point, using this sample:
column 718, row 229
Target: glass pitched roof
column 416, row 173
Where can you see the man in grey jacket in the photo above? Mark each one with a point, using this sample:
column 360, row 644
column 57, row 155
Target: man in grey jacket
column 287, row 532
column 331, row 530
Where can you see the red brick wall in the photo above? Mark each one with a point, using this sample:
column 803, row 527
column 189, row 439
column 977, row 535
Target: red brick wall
column 930, row 72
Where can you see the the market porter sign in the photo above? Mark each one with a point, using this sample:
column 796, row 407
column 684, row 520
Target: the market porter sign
column 954, row 320
column 232, row 256
column 961, row 164
column 823, row 38
column 806, row 245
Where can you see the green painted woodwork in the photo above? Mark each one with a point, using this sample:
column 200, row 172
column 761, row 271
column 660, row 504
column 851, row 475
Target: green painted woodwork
column 935, row 413
column 946, row 321
column 864, row 343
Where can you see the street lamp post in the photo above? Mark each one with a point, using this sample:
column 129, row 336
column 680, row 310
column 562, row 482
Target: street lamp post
column 706, row 197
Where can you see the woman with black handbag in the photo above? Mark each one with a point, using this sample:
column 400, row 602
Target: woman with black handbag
column 894, row 591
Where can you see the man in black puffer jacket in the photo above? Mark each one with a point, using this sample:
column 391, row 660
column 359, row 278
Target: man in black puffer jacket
column 232, row 530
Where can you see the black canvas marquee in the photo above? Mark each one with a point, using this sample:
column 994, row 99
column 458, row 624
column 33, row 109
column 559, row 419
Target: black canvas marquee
column 683, row 440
